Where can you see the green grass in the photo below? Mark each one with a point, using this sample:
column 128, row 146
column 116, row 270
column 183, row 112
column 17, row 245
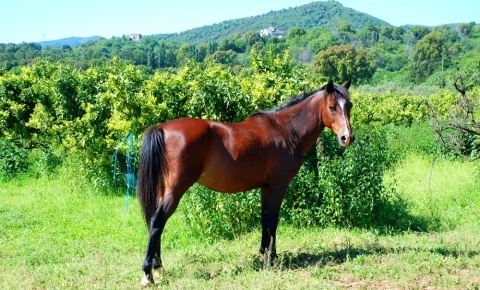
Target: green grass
column 56, row 236
column 444, row 193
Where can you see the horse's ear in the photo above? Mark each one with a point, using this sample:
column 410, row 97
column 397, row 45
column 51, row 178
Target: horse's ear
column 347, row 84
column 330, row 87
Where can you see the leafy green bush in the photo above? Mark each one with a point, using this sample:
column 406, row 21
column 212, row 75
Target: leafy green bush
column 43, row 163
column 13, row 160
column 388, row 108
column 214, row 215
column 345, row 186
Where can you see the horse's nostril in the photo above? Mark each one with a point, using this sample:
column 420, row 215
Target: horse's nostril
column 343, row 138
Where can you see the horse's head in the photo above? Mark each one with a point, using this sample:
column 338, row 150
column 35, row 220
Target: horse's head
column 336, row 112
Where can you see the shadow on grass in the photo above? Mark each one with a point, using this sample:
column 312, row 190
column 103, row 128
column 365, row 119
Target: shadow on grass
column 393, row 215
column 292, row 261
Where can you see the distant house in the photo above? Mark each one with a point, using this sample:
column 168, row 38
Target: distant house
column 134, row 37
column 271, row 31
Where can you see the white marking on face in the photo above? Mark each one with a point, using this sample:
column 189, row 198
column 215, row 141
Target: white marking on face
column 341, row 103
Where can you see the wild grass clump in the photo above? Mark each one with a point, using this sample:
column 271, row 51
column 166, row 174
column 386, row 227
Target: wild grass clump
column 419, row 138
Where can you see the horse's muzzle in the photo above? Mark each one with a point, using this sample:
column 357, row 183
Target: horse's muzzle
column 346, row 140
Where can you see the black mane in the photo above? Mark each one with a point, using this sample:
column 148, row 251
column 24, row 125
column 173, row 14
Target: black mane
column 339, row 91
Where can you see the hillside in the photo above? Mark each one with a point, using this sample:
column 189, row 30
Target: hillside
column 71, row 41
column 321, row 14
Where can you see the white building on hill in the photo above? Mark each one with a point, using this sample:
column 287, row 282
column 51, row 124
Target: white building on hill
column 271, row 31
column 134, row 37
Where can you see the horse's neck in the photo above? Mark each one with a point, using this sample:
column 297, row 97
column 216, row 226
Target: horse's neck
column 304, row 121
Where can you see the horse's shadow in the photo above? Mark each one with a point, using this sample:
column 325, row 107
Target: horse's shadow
column 291, row 261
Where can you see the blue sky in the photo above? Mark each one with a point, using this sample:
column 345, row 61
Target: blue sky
column 36, row 20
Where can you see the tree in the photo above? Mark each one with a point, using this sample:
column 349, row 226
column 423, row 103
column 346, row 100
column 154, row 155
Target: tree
column 160, row 52
column 202, row 51
column 66, row 48
column 235, row 44
column 345, row 27
column 386, row 32
column 212, row 47
column 398, row 33
column 223, row 57
column 419, row 31
column 458, row 128
column 465, row 28
column 344, row 62
column 427, row 55
column 185, row 52
column 370, row 34
column 252, row 37
column 170, row 58
column 345, row 31
column 295, row 32
column 323, row 40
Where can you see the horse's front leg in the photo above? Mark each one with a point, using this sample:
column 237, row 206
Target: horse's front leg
column 272, row 198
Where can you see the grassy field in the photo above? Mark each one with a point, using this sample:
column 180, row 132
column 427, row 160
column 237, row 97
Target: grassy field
column 56, row 236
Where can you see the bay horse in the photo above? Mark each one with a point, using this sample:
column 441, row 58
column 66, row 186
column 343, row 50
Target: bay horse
column 263, row 151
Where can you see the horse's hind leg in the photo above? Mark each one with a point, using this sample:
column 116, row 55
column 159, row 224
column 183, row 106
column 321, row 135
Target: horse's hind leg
column 152, row 257
column 157, row 261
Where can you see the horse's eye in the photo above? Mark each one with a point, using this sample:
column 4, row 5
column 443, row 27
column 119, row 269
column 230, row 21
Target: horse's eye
column 332, row 108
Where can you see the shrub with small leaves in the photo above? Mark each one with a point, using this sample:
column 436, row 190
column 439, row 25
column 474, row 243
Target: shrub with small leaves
column 340, row 186
column 13, row 160
column 215, row 215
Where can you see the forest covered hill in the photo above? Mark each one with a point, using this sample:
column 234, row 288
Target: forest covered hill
column 321, row 14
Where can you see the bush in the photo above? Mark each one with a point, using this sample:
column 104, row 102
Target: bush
column 387, row 108
column 13, row 160
column 43, row 163
column 214, row 215
column 345, row 186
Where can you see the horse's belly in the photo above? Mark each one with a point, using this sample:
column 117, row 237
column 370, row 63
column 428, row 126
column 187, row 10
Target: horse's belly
column 230, row 181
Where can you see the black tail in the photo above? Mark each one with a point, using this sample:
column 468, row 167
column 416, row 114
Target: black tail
column 151, row 174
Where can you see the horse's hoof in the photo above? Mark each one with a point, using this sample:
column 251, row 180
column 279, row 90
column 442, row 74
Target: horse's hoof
column 147, row 280
column 158, row 272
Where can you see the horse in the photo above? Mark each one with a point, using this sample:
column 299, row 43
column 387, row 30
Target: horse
column 263, row 151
